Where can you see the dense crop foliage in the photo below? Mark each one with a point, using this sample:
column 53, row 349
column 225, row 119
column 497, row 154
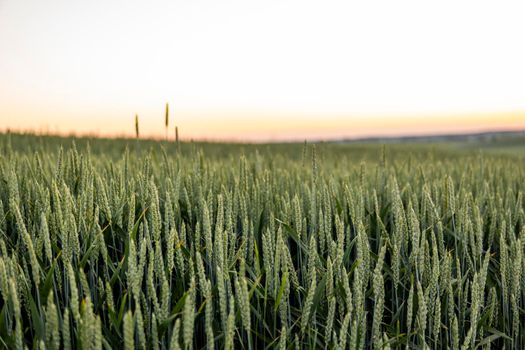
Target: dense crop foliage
column 165, row 246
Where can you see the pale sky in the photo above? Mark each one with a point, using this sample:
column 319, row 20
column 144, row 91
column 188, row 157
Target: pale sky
column 257, row 70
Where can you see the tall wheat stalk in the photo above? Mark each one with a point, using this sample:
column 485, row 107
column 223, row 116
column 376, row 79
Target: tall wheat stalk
column 166, row 120
column 136, row 126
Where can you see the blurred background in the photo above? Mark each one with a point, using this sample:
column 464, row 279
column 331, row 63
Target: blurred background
column 262, row 70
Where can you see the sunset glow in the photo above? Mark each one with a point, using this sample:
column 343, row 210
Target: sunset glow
column 256, row 71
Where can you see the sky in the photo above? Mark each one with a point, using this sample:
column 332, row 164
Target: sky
column 262, row 70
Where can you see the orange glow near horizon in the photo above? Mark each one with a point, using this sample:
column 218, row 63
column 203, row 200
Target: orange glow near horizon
column 262, row 127
column 262, row 70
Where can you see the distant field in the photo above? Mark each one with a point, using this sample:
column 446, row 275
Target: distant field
column 161, row 245
column 517, row 149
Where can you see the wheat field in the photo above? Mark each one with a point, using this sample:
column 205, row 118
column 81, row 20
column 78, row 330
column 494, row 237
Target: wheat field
column 157, row 245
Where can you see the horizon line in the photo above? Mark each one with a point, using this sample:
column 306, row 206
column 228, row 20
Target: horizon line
column 370, row 137
column 269, row 127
